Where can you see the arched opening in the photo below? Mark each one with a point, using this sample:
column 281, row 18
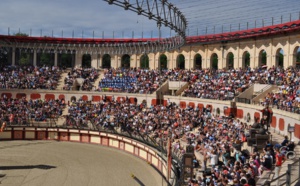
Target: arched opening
column 86, row 61
column 214, row 61
column 198, row 61
column 45, row 57
column 296, row 58
column 106, row 61
column 180, row 61
column 73, row 99
column 230, row 61
column 262, row 58
column 144, row 61
column 5, row 54
column 66, row 59
column 163, row 62
column 125, row 61
column 279, row 58
column 24, row 57
column 246, row 60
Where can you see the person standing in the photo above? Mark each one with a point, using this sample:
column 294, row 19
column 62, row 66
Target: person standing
column 280, row 158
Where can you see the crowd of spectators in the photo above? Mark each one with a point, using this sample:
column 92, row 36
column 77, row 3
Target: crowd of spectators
column 29, row 77
column 213, row 84
column 141, row 81
column 23, row 112
column 89, row 75
column 219, row 139
column 287, row 97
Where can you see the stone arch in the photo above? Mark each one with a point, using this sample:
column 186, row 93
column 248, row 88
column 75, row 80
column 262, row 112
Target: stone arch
column 86, row 60
column 279, row 58
column 73, row 99
column 24, row 56
column 296, row 57
column 163, row 62
column 230, row 61
column 180, row 61
column 214, row 61
column 197, row 61
column 66, row 58
column 5, row 55
column 106, row 61
column 144, row 61
column 45, row 57
column 246, row 59
column 125, row 61
column 262, row 58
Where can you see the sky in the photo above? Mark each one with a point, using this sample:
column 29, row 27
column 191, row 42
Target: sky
column 96, row 18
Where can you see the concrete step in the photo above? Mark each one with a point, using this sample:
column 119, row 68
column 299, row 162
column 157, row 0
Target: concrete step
column 61, row 81
column 101, row 76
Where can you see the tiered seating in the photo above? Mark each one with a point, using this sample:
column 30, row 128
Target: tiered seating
column 288, row 95
column 131, row 81
column 88, row 74
column 23, row 112
column 29, row 77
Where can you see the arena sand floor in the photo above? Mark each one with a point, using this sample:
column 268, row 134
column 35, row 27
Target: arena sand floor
column 52, row 163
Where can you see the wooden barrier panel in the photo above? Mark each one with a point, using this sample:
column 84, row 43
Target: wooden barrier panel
column 41, row 135
column 84, row 136
column 30, row 135
column 74, row 137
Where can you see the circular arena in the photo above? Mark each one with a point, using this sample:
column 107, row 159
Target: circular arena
column 209, row 105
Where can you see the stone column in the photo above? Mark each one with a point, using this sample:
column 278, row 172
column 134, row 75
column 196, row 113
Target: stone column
column 34, row 57
column 55, row 58
column 13, row 59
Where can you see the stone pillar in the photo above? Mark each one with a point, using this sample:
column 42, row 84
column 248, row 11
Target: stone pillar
column 78, row 59
column 94, row 60
column 99, row 60
column 55, row 58
column 13, row 57
column 34, row 57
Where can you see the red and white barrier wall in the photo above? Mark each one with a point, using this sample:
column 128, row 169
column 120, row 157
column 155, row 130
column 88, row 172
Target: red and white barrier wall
column 121, row 143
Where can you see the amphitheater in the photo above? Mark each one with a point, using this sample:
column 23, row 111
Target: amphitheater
column 54, row 151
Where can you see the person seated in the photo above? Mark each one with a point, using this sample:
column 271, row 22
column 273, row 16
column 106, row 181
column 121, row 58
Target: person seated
column 266, row 163
column 285, row 141
column 291, row 145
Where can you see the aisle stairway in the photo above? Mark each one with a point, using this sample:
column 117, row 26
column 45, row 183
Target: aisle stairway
column 61, row 81
column 277, row 138
column 101, row 76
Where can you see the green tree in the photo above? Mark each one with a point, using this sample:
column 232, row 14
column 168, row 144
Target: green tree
column 298, row 56
column 86, row 61
column 263, row 58
column 230, row 60
column 24, row 59
column 181, row 62
column 247, row 59
column 125, row 61
column 144, row 61
column 3, row 56
column 45, row 59
column 215, row 62
column 198, row 61
column 163, row 60
column 21, row 34
column 106, row 61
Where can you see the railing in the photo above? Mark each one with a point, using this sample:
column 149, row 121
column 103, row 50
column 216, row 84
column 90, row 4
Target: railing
column 29, row 121
column 243, row 100
column 160, row 146
column 290, row 177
